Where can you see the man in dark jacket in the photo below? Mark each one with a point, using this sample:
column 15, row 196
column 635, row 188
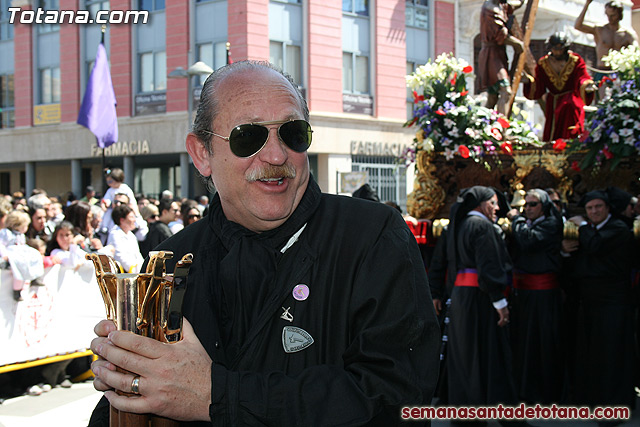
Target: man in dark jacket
column 302, row 308
column 537, row 299
column 601, row 264
column 159, row 230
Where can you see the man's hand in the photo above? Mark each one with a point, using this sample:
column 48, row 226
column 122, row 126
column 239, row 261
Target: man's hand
column 569, row 246
column 591, row 88
column 527, row 78
column 437, row 305
column 518, row 45
column 504, row 316
column 512, row 214
column 96, row 243
column 577, row 220
column 175, row 379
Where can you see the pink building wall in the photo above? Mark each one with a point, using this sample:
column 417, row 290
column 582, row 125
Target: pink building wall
column 120, row 59
column 390, row 60
column 445, row 28
column 177, row 49
column 23, row 72
column 248, row 29
column 325, row 56
column 69, row 66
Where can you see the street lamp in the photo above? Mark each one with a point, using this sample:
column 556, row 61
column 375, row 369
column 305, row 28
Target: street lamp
column 197, row 69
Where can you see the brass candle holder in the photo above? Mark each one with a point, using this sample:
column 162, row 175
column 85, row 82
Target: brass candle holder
column 147, row 304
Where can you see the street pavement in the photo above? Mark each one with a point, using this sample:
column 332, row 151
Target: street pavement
column 71, row 407
column 60, row 407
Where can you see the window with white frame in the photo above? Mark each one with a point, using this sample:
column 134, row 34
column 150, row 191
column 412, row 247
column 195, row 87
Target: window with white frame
column 287, row 57
column 6, row 29
column 355, row 73
column 214, row 54
column 7, row 101
column 286, row 38
column 359, row 7
column 153, row 71
column 47, row 5
column 151, row 5
column 49, row 85
column 94, row 6
column 417, row 13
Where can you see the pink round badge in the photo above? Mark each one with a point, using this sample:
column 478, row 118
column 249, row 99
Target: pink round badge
column 301, row 292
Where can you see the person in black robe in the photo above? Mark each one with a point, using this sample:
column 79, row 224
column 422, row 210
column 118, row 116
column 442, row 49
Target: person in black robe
column 601, row 266
column 301, row 308
column 537, row 299
column 478, row 354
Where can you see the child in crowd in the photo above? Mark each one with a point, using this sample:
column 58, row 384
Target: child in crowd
column 25, row 265
column 64, row 245
column 48, row 260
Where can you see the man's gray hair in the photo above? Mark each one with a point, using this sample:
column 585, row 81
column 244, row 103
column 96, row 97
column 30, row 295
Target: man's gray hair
column 209, row 107
column 38, row 201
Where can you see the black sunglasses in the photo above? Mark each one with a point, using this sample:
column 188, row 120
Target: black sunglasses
column 531, row 204
column 194, row 216
column 248, row 139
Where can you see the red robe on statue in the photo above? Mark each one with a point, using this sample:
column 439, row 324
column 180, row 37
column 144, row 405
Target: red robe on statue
column 566, row 96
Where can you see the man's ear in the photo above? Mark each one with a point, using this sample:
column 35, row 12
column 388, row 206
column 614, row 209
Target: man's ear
column 199, row 154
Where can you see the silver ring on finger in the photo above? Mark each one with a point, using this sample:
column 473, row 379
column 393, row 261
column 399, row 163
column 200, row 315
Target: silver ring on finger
column 135, row 385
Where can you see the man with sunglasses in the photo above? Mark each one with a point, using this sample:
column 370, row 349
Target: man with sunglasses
column 536, row 299
column 302, row 308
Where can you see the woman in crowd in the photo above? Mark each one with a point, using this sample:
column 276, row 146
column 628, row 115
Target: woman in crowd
column 125, row 243
column 189, row 212
column 81, row 216
column 37, row 229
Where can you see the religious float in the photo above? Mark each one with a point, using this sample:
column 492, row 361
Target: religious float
column 459, row 143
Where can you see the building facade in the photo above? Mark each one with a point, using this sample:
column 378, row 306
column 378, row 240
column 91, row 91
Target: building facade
column 348, row 57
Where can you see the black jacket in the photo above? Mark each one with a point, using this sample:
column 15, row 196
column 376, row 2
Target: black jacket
column 158, row 233
column 369, row 312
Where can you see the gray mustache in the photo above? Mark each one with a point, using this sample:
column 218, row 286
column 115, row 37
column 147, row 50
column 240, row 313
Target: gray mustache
column 271, row 172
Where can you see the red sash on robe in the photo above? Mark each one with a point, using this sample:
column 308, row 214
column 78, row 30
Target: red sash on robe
column 535, row 282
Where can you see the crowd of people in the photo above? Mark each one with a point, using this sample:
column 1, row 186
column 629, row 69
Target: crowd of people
column 43, row 230
column 536, row 314
column 50, row 230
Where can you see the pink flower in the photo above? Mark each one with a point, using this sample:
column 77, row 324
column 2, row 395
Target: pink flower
column 496, row 134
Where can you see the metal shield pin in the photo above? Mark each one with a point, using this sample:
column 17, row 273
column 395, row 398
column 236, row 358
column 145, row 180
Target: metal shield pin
column 295, row 339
